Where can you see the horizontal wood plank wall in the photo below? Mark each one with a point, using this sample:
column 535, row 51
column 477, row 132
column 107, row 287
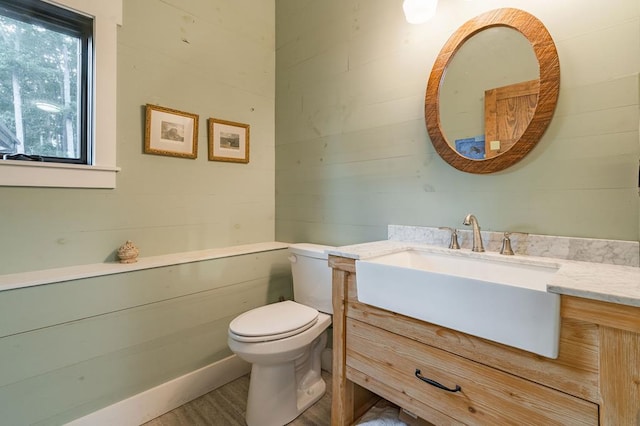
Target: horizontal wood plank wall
column 169, row 54
column 71, row 348
column 353, row 154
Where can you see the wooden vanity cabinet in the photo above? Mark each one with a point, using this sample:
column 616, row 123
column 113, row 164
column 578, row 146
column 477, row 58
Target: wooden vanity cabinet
column 595, row 379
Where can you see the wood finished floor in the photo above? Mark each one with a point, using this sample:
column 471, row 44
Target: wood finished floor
column 226, row 406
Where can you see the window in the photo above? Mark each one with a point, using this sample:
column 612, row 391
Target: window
column 65, row 105
column 44, row 82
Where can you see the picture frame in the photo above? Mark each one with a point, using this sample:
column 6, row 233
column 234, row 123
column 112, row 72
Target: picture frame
column 170, row 132
column 473, row 147
column 228, row 141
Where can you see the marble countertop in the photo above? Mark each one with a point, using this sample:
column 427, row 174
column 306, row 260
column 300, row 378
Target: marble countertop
column 597, row 281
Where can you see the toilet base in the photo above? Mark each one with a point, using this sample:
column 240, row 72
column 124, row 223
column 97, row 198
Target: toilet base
column 280, row 393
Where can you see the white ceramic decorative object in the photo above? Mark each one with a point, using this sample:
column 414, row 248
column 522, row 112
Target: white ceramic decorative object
column 128, row 252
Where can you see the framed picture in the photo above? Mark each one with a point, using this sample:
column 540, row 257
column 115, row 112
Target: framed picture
column 170, row 132
column 228, row 141
column 471, row 147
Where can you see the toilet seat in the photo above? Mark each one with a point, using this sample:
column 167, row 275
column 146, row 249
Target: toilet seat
column 273, row 322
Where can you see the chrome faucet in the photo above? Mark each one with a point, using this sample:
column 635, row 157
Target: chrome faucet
column 477, row 238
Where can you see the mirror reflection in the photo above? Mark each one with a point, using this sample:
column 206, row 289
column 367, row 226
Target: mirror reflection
column 489, row 93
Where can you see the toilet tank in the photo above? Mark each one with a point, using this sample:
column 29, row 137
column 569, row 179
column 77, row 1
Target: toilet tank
column 311, row 276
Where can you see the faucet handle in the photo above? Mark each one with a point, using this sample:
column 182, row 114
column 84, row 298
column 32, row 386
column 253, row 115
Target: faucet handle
column 453, row 244
column 506, row 243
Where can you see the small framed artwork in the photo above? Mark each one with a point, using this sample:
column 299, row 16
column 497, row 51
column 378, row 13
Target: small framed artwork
column 228, row 141
column 170, row 132
column 472, row 147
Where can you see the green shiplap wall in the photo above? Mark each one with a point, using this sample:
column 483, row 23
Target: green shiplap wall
column 353, row 154
column 70, row 348
column 214, row 58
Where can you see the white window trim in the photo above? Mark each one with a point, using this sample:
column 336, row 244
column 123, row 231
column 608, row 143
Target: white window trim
column 102, row 173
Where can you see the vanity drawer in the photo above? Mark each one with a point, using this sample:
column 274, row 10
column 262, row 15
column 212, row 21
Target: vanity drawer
column 386, row 363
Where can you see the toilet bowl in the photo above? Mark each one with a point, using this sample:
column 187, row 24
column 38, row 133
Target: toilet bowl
column 284, row 342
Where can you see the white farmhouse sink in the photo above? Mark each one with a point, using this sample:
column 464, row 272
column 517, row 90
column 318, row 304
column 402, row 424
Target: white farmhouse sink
column 503, row 301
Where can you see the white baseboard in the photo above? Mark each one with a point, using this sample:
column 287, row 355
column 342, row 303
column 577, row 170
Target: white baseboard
column 156, row 401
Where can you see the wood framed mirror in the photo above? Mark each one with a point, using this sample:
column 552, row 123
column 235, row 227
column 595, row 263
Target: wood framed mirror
column 543, row 91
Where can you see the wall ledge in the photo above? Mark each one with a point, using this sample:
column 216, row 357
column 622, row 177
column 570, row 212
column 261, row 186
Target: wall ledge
column 76, row 272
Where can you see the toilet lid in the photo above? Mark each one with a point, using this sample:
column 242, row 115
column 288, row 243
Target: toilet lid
column 271, row 322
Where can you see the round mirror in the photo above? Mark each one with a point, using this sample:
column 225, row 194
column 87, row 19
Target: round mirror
column 499, row 93
column 483, row 83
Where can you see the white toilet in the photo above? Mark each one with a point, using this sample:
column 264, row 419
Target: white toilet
column 284, row 342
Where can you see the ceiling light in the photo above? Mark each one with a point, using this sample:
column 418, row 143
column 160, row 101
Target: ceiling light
column 419, row 11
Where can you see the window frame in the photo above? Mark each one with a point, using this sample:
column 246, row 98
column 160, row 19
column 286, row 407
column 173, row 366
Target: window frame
column 100, row 170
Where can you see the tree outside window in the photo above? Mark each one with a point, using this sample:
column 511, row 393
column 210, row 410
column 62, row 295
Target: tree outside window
column 40, row 90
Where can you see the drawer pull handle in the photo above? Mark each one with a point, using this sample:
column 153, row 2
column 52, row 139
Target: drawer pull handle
column 436, row 384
